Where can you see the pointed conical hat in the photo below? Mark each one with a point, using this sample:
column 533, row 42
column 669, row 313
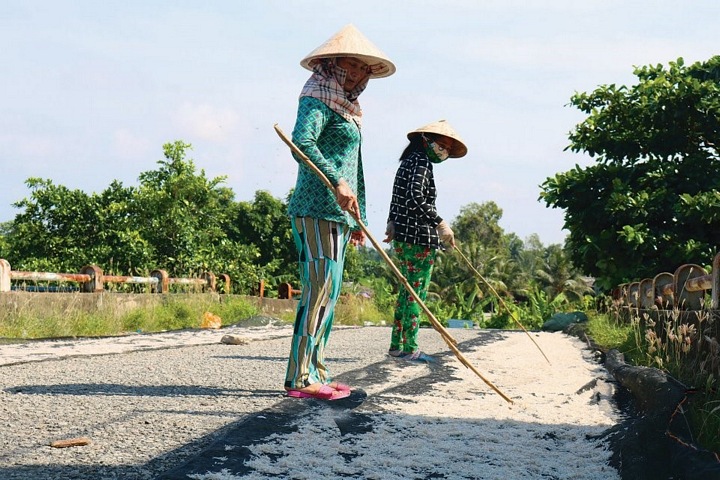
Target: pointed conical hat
column 441, row 127
column 349, row 42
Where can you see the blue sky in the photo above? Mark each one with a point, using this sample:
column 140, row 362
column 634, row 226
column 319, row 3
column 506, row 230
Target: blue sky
column 91, row 90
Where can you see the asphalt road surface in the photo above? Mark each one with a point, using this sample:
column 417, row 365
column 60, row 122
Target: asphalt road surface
column 184, row 405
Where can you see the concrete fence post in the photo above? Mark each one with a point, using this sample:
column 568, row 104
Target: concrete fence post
column 664, row 290
column 96, row 283
column 210, row 282
column 163, row 283
column 4, row 275
column 647, row 294
column 226, row 283
column 633, row 298
column 716, row 282
column 686, row 299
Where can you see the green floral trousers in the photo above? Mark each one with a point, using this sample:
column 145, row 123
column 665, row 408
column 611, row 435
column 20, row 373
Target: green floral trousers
column 416, row 264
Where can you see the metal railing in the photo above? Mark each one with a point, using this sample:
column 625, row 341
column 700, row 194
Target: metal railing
column 92, row 279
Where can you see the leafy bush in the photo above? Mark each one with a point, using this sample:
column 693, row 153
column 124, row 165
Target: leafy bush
column 534, row 311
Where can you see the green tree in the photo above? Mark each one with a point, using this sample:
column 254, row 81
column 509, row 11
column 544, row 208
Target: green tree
column 177, row 219
column 455, row 288
column 264, row 224
column 123, row 249
column 650, row 202
column 527, row 256
column 62, row 230
column 56, row 231
column 479, row 223
column 183, row 214
column 5, row 228
column 557, row 276
column 188, row 219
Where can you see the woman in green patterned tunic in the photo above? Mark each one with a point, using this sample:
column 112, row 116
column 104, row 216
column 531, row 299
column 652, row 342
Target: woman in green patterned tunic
column 415, row 228
column 327, row 130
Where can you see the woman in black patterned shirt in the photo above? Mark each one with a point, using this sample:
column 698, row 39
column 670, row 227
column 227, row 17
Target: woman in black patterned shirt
column 415, row 228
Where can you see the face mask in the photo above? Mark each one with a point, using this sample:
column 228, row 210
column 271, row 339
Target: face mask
column 436, row 152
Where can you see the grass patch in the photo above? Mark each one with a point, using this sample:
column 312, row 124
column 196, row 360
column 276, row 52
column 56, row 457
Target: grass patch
column 355, row 310
column 177, row 313
column 610, row 334
column 172, row 312
column 75, row 324
column 704, row 414
column 673, row 349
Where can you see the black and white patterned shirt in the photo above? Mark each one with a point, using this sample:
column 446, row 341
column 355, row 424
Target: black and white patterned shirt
column 412, row 208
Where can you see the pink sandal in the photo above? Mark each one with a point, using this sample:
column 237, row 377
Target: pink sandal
column 340, row 387
column 324, row 393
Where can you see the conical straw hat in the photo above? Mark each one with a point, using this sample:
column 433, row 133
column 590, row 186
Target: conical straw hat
column 441, row 127
column 349, row 42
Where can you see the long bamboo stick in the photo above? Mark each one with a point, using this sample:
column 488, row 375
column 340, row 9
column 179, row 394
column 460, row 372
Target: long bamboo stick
column 434, row 321
column 449, row 340
column 502, row 302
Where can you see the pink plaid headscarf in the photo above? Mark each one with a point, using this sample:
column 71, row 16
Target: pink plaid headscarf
column 325, row 84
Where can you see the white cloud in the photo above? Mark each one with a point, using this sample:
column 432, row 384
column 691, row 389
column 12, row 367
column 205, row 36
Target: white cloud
column 129, row 145
column 28, row 145
column 206, row 122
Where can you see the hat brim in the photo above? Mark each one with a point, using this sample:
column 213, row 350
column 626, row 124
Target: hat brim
column 379, row 67
column 350, row 42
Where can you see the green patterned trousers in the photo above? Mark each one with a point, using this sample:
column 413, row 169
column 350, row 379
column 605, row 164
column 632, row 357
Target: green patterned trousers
column 416, row 264
column 321, row 257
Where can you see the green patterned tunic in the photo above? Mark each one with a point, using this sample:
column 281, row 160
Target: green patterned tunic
column 333, row 144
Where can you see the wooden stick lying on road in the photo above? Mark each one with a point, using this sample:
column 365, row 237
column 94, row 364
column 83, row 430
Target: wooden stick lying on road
column 449, row 340
column 71, row 442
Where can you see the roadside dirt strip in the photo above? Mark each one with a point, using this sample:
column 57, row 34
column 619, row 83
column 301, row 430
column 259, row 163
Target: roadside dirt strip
column 189, row 408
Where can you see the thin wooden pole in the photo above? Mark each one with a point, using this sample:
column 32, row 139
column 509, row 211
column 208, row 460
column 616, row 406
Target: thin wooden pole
column 449, row 340
column 502, row 302
column 434, row 321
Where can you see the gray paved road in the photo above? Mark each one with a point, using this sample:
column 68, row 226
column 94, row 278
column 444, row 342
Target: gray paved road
column 184, row 408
